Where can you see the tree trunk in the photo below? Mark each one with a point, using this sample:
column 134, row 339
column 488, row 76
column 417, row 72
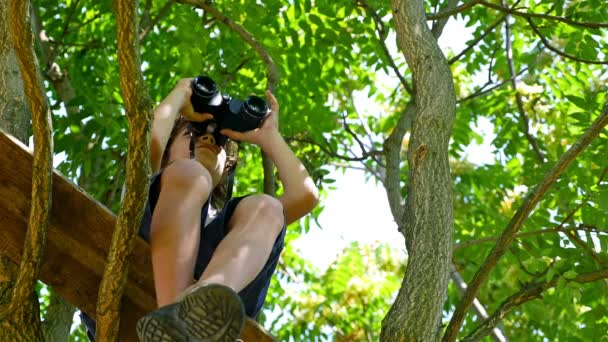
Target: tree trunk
column 427, row 221
column 14, row 113
column 58, row 319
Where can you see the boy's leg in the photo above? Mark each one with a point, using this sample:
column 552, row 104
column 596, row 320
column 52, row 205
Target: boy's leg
column 252, row 231
column 175, row 228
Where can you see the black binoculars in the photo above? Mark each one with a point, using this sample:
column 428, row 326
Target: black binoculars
column 227, row 112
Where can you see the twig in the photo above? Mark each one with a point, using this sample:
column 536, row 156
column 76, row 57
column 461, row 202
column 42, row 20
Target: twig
column 558, row 229
column 584, row 246
column 334, row 154
column 530, row 292
column 557, row 51
column 482, row 92
column 543, row 16
column 514, row 225
column 476, row 41
column 525, row 120
column 451, row 12
column 161, row 14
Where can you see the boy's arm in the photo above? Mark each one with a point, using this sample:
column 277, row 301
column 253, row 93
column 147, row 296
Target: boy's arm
column 300, row 195
column 165, row 115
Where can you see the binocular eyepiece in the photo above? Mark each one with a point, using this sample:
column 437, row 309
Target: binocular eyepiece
column 227, row 112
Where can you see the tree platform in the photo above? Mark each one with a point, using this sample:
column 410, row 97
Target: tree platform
column 79, row 236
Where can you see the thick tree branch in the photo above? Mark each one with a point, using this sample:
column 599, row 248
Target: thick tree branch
column 427, row 218
column 272, row 73
column 525, row 120
column 557, row 51
column 382, row 34
column 530, row 292
column 35, row 241
column 138, row 109
column 514, row 225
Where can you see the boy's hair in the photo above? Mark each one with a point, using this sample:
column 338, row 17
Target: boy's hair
column 220, row 193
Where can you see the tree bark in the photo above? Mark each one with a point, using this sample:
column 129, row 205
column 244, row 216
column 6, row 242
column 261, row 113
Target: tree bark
column 138, row 110
column 427, row 220
column 15, row 120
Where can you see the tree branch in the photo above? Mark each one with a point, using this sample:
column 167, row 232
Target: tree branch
column 271, row 73
column 481, row 312
column 586, row 248
column 440, row 23
column 54, row 73
column 557, row 51
column 138, row 109
column 392, row 152
column 161, row 14
column 35, row 240
column 382, row 34
column 482, row 92
column 476, row 41
column 450, row 12
column 525, row 120
column 543, row 16
column 514, row 225
column 530, row 292
column 558, row 229
column 327, row 150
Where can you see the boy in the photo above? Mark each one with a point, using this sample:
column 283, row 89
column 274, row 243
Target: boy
column 233, row 254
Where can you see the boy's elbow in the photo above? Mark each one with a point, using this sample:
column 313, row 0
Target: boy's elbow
column 312, row 197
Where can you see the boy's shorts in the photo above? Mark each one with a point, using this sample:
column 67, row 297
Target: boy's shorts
column 254, row 294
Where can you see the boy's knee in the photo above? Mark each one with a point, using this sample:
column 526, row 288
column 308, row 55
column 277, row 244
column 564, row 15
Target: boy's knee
column 187, row 175
column 265, row 208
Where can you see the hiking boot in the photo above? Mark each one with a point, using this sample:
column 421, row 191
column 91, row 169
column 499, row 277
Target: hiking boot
column 209, row 313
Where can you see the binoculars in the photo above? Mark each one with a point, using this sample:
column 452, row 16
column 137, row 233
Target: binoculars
column 227, row 112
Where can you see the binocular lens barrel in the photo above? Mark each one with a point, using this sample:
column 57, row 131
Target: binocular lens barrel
column 204, row 87
column 255, row 106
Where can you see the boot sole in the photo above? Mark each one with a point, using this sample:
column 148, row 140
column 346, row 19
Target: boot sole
column 212, row 313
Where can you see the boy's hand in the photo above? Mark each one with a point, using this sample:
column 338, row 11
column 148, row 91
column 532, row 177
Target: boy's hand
column 264, row 135
column 184, row 86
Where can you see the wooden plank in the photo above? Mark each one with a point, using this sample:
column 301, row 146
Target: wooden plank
column 78, row 239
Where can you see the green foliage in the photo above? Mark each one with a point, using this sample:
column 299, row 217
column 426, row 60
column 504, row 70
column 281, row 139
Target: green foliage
column 346, row 302
column 329, row 52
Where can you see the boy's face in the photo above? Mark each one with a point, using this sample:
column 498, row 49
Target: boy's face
column 210, row 155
